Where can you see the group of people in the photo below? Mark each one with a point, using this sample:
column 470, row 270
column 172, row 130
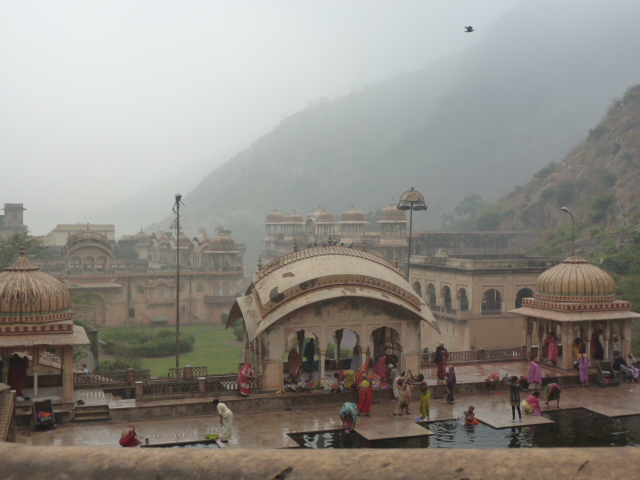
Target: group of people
column 530, row 385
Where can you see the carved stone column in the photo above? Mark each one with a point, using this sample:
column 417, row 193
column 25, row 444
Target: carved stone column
column 338, row 334
column 528, row 335
column 67, row 373
column 321, row 373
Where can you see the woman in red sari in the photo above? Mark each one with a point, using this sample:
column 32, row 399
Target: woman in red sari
column 366, row 398
column 129, row 438
column 243, row 380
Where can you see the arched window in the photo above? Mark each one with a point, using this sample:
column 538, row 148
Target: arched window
column 464, row 300
column 162, row 291
column 492, row 302
column 225, row 289
column 431, row 295
column 446, row 298
column 76, row 262
column 417, row 288
column 88, row 262
column 101, row 262
column 200, row 287
column 523, row 293
column 215, row 289
column 140, row 289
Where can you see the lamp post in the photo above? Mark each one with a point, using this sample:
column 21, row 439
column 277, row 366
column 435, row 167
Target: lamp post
column 573, row 231
column 411, row 200
column 176, row 210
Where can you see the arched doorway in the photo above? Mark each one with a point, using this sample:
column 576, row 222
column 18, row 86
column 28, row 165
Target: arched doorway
column 447, row 301
column 347, row 343
column 417, row 288
column 385, row 340
column 463, row 299
column 492, row 302
column 431, row 295
column 523, row 293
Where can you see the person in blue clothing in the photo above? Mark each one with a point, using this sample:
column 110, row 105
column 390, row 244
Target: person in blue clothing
column 309, row 354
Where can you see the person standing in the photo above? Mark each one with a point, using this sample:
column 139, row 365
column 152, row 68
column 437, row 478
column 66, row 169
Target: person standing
column 514, row 396
column 583, row 368
column 226, row 420
column 366, row 398
column 310, row 354
column 425, row 397
column 597, row 350
column 403, row 395
column 295, row 360
column 355, row 360
column 245, row 374
column 441, row 361
column 451, row 385
column 551, row 348
column 534, row 377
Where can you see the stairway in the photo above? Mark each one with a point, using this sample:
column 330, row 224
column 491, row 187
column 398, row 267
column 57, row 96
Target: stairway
column 606, row 376
column 92, row 413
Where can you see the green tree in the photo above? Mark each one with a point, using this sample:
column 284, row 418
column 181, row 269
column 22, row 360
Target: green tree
column 10, row 248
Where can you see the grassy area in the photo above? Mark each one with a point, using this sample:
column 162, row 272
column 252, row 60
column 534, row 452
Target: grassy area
column 211, row 350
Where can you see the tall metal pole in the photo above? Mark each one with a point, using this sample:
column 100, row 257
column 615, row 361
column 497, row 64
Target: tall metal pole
column 410, row 230
column 176, row 209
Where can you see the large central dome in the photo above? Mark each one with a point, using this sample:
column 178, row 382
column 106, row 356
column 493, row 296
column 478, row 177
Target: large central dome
column 575, row 279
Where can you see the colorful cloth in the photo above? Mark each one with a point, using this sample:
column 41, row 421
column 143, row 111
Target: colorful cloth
column 425, row 404
column 451, row 384
column 441, row 362
column 552, row 392
column 295, row 364
column 583, row 367
column 366, row 397
column 349, row 414
column 534, row 375
column 349, row 378
column 534, row 405
column 243, row 379
column 553, row 350
column 130, row 440
column 381, row 366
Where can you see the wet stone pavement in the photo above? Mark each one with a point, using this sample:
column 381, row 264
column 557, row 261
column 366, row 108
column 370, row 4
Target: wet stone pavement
column 270, row 429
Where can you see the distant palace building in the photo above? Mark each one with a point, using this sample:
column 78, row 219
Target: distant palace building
column 134, row 281
column 13, row 220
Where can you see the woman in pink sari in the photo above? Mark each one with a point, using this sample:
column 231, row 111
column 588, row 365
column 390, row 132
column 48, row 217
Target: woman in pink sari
column 381, row 367
column 243, row 379
column 532, row 405
column 551, row 349
column 583, row 367
column 535, row 377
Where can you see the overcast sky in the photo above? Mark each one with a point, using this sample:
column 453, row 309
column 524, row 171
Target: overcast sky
column 100, row 99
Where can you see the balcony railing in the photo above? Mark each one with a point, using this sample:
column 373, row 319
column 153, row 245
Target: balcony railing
column 480, row 355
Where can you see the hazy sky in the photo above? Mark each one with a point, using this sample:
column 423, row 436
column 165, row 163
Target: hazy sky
column 100, row 99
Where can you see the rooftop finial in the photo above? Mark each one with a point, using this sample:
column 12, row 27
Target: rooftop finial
column 21, row 251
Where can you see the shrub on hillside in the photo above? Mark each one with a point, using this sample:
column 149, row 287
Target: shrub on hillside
column 128, row 342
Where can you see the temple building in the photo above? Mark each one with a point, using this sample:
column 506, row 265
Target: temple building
column 471, row 296
column 577, row 300
column 134, row 282
column 321, row 292
column 36, row 316
column 321, row 228
column 12, row 221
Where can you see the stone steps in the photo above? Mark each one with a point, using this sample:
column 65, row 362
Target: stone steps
column 92, row 413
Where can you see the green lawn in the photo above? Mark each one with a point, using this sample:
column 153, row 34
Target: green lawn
column 211, row 350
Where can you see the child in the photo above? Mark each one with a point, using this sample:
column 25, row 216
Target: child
column 470, row 416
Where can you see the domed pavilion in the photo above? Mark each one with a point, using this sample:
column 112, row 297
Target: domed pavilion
column 575, row 299
column 35, row 315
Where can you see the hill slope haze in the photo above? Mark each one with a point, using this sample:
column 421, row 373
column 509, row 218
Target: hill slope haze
column 481, row 121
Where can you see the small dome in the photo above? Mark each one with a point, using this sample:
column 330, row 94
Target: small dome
column 88, row 237
column 223, row 242
column 275, row 217
column 142, row 237
column 326, row 217
column 294, row 217
column 391, row 212
column 184, row 239
column 353, row 215
column 575, row 279
column 219, row 227
column 29, row 296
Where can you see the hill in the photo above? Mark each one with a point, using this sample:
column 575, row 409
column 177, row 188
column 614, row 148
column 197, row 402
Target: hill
column 597, row 181
column 479, row 122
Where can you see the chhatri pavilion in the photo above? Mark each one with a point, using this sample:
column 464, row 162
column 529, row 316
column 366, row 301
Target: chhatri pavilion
column 35, row 316
column 320, row 292
column 575, row 299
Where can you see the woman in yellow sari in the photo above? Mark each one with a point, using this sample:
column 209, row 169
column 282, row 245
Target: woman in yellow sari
column 349, row 379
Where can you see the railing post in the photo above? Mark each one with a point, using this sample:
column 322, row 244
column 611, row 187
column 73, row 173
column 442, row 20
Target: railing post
column 131, row 375
column 202, row 385
column 481, row 354
column 188, row 372
column 523, row 351
column 139, row 390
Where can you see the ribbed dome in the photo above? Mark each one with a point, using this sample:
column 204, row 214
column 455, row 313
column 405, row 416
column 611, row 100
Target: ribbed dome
column 275, row 217
column 28, row 295
column 391, row 212
column 575, row 278
column 223, row 242
column 142, row 237
column 294, row 217
column 353, row 215
column 326, row 217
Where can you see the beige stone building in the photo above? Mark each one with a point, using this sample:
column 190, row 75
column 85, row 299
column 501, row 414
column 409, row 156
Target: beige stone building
column 12, row 221
column 143, row 291
column 471, row 296
column 321, row 292
column 59, row 235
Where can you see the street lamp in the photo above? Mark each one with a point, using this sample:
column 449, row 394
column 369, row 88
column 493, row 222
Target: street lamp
column 573, row 231
column 411, row 200
column 176, row 210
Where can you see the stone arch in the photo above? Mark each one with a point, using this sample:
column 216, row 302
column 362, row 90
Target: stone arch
column 347, row 340
column 463, row 300
column 101, row 262
column 76, row 262
column 386, row 337
column 522, row 294
column 431, row 295
column 215, row 288
column 417, row 287
column 492, row 302
column 225, row 289
column 88, row 261
column 447, row 300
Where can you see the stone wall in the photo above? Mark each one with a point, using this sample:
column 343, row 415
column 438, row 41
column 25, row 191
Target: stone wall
column 474, row 243
column 29, row 462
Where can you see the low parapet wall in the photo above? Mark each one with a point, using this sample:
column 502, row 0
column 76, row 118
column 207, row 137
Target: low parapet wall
column 28, row 462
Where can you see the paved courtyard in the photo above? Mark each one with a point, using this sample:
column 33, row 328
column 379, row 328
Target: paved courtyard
column 270, row 429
